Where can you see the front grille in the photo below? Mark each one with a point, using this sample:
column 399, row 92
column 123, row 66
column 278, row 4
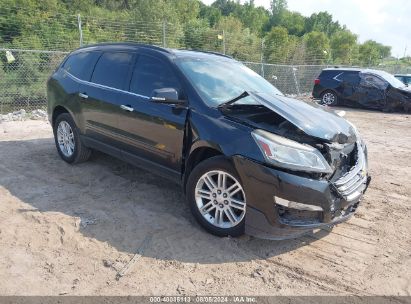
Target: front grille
column 352, row 184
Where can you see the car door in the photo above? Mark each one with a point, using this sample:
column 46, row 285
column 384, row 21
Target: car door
column 350, row 83
column 103, row 95
column 153, row 132
column 77, row 69
column 374, row 91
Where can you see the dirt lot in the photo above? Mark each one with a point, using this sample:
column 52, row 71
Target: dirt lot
column 69, row 229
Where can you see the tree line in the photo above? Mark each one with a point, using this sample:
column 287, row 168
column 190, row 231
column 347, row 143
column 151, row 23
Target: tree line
column 245, row 31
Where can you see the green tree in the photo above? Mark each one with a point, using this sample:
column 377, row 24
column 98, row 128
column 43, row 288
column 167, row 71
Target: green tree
column 322, row 22
column 239, row 42
column 372, row 52
column 278, row 8
column 254, row 18
column 226, row 7
column 276, row 45
column 344, row 47
column 294, row 22
column 210, row 13
column 317, row 46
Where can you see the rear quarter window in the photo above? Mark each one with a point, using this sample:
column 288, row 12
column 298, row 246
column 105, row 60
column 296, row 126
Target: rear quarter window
column 81, row 65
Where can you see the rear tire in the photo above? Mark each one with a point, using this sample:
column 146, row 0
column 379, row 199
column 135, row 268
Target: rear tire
column 67, row 140
column 329, row 98
column 215, row 188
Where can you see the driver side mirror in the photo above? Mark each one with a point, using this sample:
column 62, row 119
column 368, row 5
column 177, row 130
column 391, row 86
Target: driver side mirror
column 166, row 95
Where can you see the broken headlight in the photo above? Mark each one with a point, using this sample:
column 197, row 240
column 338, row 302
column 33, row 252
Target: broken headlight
column 289, row 154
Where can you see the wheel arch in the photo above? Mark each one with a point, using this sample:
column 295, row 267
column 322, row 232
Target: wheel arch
column 198, row 154
column 329, row 90
column 57, row 111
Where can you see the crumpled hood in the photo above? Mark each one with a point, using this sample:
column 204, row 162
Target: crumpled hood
column 312, row 119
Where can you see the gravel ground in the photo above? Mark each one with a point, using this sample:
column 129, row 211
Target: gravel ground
column 70, row 229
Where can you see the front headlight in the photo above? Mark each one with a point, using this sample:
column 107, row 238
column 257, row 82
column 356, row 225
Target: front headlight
column 289, row 154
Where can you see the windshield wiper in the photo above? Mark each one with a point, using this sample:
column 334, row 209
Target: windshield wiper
column 225, row 104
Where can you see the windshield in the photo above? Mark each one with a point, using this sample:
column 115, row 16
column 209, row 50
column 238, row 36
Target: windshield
column 220, row 80
column 396, row 83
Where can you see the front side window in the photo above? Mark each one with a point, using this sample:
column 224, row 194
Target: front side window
column 373, row 81
column 219, row 80
column 387, row 77
column 81, row 65
column 112, row 69
column 150, row 74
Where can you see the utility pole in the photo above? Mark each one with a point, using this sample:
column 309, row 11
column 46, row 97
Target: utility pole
column 80, row 29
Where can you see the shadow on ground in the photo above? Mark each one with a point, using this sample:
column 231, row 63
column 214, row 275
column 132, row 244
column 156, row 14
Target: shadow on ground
column 122, row 205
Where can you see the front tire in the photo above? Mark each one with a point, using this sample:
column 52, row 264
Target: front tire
column 67, row 140
column 216, row 197
column 329, row 98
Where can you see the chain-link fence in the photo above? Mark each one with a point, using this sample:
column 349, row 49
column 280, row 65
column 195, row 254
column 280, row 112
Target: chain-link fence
column 27, row 61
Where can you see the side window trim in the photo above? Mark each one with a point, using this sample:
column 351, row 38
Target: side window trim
column 104, row 86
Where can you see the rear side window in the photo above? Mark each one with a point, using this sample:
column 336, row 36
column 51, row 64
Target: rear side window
column 81, row 65
column 150, row 74
column 112, row 69
column 329, row 73
column 351, row 78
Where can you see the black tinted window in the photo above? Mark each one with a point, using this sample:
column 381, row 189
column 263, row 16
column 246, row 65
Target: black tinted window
column 150, row 74
column 351, row 78
column 329, row 73
column 372, row 81
column 82, row 64
column 112, row 69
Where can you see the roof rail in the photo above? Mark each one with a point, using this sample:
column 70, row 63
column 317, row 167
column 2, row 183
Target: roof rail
column 148, row 46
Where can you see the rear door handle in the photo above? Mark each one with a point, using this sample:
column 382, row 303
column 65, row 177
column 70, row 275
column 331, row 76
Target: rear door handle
column 127, row 108
column 82, row 95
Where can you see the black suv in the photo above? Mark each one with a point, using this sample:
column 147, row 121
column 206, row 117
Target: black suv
column 365, row 88
column 248, row 158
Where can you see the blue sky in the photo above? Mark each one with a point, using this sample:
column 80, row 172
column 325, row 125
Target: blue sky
column 386, row 21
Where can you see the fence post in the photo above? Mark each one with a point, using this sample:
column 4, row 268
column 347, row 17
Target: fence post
column 295, row 80
column 262, row 57
column 80, row 29
column 164, row 33
column 223, row 42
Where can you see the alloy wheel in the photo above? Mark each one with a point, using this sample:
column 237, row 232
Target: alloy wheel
column 328, row 98
column 65, row 138
column 220, row 199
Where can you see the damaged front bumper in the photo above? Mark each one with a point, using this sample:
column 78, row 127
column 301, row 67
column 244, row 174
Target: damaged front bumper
column 281, row 205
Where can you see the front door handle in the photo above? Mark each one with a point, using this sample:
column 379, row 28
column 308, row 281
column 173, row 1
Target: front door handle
column 82, row 95
column 127, row 108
